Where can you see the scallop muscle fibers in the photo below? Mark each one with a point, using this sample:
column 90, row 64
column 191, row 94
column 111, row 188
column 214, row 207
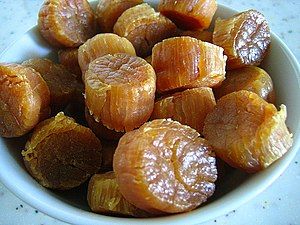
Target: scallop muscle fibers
column 67, row 23
column 120, row 91
column 189, row 14
column 245, row 38
column 100, row 45
column 24, row 99
column 185, row 62
column 144, row 27
column 189, row 107
column 247, row 132
column 165, row 167
column 62, row 154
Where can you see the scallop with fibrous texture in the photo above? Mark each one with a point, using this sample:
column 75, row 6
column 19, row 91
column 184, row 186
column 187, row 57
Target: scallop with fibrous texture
column 245, row 38
column 67, row 23
column 249, row 78
column 165, row 167
column 189, row 107
column 62, row 154
column 119, row 91
column 185, row 62
column 247, row 132
column 24, row 99
column 202, row 35
column 187, row 14
column 62, row 83
column 144, row 27
column 100, row 45
column 104, row 197
column 100, row 130
column 69, row 58
column 108, row 12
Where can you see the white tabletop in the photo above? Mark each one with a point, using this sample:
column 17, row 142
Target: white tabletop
column 278, row 205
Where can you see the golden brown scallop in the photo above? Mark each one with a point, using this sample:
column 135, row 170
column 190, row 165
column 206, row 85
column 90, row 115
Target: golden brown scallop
column 24, row 99
column 144, row 27
column 247, row 132
column 69, row 58
column 119, row 91
column 62, row 154
column 245, row 38
column 165, row 167
column 67, row 23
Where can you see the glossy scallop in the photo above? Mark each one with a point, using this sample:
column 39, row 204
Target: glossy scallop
column 187, row 14
column 69, row 58
column 24, row 99
column 145, row 29
column 249, row 78
column 120, row 91
column 165, row 167
column 104, row 197
column 189, row 107
column 247, row 132
column 202, row 35
column 101, row 45
column 108, row 12
column 185, row 62
column 62, row 83
column 62, row 154
column 245, row 38
column 67, row 23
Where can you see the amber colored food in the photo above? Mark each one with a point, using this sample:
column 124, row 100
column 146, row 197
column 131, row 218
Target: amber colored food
column 202, row 35
column 62, row 154
column 24, row 99
column 101, row 45
column 189, row 107
column 245, row 38
column 67, row 23
column 108, row 12
column 62, row 83
column 100, row 130
column 185, row 62
column 104, row 197
column 247, row 132
column 149, row 59
column 69, row 58
column 144, row 27
column 187, row 14
column 249, row 78
column 119, row 91
column 165, row 167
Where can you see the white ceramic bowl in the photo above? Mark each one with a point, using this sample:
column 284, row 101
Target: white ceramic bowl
column 71, row 206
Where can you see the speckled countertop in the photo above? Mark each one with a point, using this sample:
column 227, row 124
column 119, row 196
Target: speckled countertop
column 278, row 205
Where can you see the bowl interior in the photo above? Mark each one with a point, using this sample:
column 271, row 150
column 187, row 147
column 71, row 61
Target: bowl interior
column 238, row 187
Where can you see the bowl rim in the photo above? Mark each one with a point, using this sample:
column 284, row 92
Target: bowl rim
column 71, row 214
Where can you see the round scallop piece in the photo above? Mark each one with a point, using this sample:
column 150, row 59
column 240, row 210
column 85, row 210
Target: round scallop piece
column 165, row 167
column 185, row 62
column 245, row 38
column 202, row 35
column 62, row 83
column 187, row 14
column 189, row 107
column 247, row 132
column 249, row 78
column 144, row 27
column 69, row 58
column 24, row 99
column 67, row 23
column 108, row 12
column 100, row 45
column 104, row 197
column 120, row 91
column 62, row 154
